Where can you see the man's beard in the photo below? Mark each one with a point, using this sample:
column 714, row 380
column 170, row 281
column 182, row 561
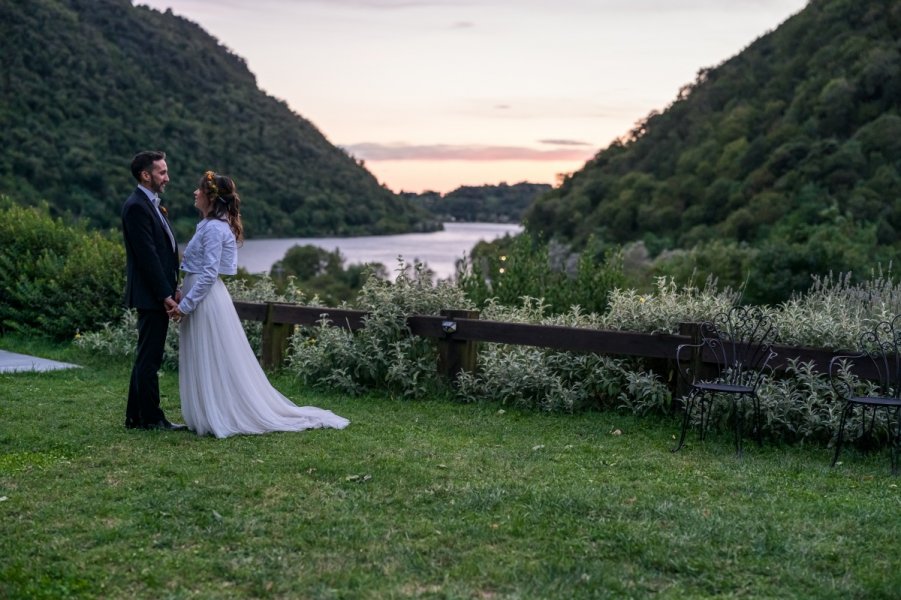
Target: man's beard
column 157, row 187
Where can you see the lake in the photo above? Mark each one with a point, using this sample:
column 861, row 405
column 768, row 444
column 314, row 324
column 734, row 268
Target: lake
column 439, row 249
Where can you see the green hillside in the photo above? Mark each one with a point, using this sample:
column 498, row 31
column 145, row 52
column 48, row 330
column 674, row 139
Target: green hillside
column 87, row 83
column 783, row 161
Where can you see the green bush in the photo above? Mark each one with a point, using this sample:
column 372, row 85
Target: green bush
column 727, row 262
column 384, row 354
column 774, row 271
column 510, row 269
column 323, row 273
column 56, row 279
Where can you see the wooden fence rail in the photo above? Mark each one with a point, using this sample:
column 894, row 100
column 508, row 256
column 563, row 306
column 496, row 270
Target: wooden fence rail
column 458, row 332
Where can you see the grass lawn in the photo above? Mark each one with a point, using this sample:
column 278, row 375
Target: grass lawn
column 427, row 499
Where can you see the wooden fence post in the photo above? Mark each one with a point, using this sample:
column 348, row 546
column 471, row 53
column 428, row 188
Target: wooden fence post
column 456, row 355
column 275, row 340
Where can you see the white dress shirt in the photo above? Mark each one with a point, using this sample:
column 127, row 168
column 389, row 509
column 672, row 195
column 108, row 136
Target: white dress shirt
column 212, row 251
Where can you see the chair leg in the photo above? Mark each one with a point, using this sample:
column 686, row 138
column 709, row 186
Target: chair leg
column 686, row 417
column 841, row 430
column 896, row 441
column 739, row 425
column 706, row 413
column 702, row 430
column 758, row 426
column 867, row 432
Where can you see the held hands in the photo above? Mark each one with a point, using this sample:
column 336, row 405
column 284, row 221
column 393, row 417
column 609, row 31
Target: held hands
column 172, row 307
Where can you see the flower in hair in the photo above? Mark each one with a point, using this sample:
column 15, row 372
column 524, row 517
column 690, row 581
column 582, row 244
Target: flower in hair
column 211, row 183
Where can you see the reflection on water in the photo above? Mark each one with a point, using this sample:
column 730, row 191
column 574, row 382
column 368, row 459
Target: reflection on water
column 439, row 249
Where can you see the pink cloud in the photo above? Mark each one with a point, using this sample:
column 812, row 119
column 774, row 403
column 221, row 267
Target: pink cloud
column 564, row 143
column 370, row 151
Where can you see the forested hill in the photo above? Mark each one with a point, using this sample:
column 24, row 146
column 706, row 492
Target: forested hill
column 500, row 203
column 792, row 147
column 88, row 83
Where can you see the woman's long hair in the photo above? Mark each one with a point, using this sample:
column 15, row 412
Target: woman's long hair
column 226, row 204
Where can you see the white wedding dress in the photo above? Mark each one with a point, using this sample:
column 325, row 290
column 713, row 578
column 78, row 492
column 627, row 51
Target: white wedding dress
column 224, row 391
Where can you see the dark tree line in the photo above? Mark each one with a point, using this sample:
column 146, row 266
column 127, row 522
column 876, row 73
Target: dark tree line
column 484, row 203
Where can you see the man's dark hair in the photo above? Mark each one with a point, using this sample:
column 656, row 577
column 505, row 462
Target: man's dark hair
column 143, row 161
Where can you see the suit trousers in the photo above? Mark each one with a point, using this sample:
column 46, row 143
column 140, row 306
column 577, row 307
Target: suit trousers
column 143, row 406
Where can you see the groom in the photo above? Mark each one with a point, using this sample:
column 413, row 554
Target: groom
column 150, row 286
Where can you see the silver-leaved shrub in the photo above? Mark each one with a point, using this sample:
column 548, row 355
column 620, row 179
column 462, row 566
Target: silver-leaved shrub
column 552, row 380
column 798, row 404
column 384, row 354
column 120, row 338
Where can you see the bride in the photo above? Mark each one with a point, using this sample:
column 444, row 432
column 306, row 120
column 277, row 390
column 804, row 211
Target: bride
column 223, row 389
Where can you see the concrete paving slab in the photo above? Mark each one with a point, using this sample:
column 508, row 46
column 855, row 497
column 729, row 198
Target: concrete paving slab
column 10, row 362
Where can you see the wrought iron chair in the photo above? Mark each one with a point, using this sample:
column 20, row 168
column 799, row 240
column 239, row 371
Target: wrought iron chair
column 739, row 342
column 881, row 349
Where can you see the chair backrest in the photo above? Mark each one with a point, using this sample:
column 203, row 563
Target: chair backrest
column 881, row 346
column 741, row 341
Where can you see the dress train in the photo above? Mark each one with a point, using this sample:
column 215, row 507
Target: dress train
column 224, row 391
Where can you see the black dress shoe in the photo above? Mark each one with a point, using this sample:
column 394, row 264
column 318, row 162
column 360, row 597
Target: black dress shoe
column 165, row 425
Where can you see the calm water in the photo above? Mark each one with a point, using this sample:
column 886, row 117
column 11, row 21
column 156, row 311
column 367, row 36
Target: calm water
column 439, row 249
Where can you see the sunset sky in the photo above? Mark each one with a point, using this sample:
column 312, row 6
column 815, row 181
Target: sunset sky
column 434, row 94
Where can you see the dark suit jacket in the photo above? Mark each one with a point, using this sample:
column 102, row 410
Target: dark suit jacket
column 151, row 265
